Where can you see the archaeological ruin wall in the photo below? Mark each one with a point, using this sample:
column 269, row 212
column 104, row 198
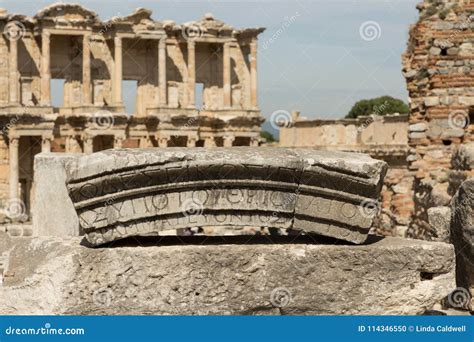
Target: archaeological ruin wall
column 438, row 67
column 193, row 84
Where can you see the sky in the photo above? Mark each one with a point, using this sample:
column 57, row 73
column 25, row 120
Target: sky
column 316, row 56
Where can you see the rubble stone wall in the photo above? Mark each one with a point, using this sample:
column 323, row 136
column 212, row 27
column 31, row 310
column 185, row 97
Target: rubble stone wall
column 438, row 66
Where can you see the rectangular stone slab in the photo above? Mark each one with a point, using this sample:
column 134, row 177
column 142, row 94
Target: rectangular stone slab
column 390, row 276
column 142, row 192
column 53, row 210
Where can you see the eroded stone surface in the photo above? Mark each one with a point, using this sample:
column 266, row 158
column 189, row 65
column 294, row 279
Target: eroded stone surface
column 390, row 276
column 462, row 232
column 440, row 220
column 121, row 193
column 53, row 211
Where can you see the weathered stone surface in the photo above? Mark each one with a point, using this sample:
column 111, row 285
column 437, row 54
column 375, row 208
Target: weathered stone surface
column 462, row 232
column 389, row 276
column 418, row 127
column 463, row 158
column 440, row 220
column 53, row 211
column 121, row 193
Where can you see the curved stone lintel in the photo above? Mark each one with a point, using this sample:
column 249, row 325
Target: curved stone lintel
column 121, row 193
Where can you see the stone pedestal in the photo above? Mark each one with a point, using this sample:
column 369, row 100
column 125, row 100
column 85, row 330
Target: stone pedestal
column 53, row 211
column 391, row 276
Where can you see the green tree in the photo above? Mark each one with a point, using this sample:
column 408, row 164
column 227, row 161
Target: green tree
column 379, row 106
column 268, row 136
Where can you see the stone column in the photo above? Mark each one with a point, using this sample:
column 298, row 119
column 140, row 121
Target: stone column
column 191, row 142
column 228, row 140
column 117, row 75
column 69, row 142
column 45, row 69
column 14, row 168
column 210, row 142
column 227, row 75
column 13, row 77
column 254, row 141
column 86, row 70
column 88, row 144
column 253, row 73
column 162, row 84
column 191, row 73
column 46, row 143
column 118, row 141
column 145, row 142
column 163, row 141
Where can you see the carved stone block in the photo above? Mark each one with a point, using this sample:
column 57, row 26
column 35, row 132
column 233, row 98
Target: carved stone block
column 122, row 193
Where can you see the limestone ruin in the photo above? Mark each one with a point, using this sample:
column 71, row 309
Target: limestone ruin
column 100, row 217
column 165, row 61
column 431, row 151
column 438, row 68
column 391, row 276
column 121, row 193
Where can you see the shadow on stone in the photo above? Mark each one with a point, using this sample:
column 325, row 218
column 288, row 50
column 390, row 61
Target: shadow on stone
column 151, row 241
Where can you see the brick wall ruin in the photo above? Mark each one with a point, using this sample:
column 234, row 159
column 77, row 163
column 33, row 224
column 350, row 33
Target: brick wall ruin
column 438, row 66
column 432, row 152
